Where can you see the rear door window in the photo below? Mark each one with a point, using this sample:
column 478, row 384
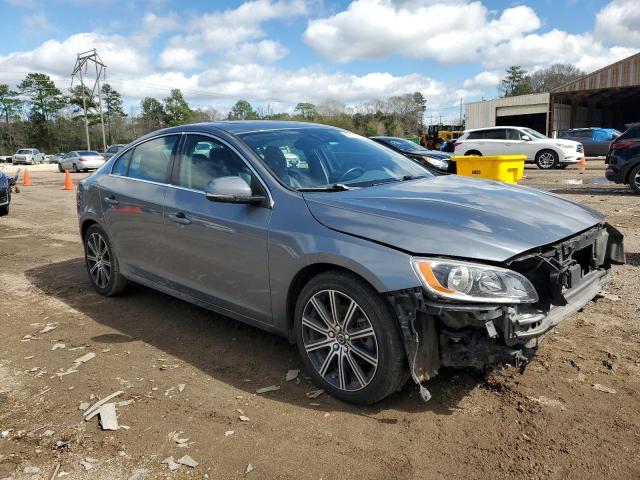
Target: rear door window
column 151, row 160
column 513, row 134
column 497, row 134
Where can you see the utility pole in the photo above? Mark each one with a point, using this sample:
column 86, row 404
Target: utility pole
column 82, row 61
column 460, row 112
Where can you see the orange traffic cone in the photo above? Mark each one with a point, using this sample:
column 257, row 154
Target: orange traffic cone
column 582, row 164
column 68, row 184
column 26, row 179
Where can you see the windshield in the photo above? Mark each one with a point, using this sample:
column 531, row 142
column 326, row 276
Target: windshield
column 404, row 144
column 24, row 151
column 321, row 157
column 534, row 133
column 88, row 153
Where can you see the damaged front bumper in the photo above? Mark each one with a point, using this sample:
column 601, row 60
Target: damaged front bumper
column 455, row 334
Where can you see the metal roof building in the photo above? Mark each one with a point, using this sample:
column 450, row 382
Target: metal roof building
column 609, row 97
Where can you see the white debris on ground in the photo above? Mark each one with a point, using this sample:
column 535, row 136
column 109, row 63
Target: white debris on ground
column 171, row 463
column 248, row 469
column 228, row 433
column 108, row 416
column 270, row 388
column 138, row 473
column 85, row 358
column 58, row 346
column 291, row 375
column 188, row 461
column 315, row 393
column 49, row 327
column 603, row 388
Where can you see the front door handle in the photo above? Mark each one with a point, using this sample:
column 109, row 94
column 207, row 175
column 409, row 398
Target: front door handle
column 111, row 201
column 180, row 218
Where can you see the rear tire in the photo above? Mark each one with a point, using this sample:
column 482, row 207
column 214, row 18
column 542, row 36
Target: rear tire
column 74, row 168
column 4, row 210
column 102, row 264
column 361, row 370
column 634, row 179
column 547, row 159
column 60, row 169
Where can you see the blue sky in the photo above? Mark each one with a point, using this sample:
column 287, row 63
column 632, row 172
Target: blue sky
column 278, row 52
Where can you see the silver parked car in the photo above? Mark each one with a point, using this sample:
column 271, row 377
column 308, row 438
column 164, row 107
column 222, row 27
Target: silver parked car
column 80, row 160
column 373, row 266
column 27, row 156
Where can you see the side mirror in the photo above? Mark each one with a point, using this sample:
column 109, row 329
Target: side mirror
column 232, row 190
column 526, row 138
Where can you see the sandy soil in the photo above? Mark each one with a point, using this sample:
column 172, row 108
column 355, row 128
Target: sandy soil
column 546, row 422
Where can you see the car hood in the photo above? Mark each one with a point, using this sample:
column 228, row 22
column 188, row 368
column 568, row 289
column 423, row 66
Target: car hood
column 453, row 216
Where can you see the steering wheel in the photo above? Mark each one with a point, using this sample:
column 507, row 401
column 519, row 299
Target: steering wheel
column 350, row 171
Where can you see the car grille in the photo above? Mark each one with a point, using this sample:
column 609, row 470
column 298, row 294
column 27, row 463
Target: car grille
column 562, row 267
column 4, row 195
column 580, row 148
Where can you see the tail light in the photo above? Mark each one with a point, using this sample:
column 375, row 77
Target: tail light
column 623, row 145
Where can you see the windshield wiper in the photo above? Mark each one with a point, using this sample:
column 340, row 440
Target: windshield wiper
column 336, row 187
column 413, row 177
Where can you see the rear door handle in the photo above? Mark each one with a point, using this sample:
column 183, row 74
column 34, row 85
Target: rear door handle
column 180, row 218
column 111, row 201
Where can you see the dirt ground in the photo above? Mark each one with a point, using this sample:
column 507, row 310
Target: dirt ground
column 547, row 422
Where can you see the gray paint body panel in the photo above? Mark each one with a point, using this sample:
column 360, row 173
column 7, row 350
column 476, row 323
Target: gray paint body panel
column 240, row 260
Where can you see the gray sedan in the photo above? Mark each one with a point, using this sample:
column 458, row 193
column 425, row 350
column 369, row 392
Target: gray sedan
column 375, row 268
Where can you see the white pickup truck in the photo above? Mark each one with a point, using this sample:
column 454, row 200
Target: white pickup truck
column 28, row 156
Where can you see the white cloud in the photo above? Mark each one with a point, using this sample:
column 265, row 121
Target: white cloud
column 619, row 22
column 217, row 31
column 536, row 51
column 177, row 58
column 36, row 23
column 380, row 28
column 58, row 57
column 483, row 80
column 265, row 51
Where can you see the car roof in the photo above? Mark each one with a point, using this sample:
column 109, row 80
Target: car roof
column 242, row 126
column 492, row 128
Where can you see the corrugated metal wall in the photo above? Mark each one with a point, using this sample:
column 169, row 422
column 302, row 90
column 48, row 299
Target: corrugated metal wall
column 625, row 73
column 483, row 114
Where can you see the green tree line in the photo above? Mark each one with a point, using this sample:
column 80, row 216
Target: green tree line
column 38, row 114
column 517, row 81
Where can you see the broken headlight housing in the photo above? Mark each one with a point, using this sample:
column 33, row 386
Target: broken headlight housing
column 473, row 282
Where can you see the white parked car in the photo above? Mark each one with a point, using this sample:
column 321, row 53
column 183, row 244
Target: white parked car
column 545, row 152
column 80, row 160
column 28, row 156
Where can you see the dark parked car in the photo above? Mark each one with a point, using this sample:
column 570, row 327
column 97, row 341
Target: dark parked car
column 435, row 161
column 623, row 158
column 373, row 266
column 112, row 150
column 5, row 194
column 594, row 140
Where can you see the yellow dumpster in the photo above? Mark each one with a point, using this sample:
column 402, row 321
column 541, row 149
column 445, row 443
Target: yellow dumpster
column 505, row 168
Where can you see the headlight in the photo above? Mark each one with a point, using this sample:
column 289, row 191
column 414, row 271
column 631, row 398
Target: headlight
column 472, row 282
column 437, row 163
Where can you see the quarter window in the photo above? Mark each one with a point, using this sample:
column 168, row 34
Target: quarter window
column 121, row 165
column 498, row 134
column 150, row 160
column 204, row 159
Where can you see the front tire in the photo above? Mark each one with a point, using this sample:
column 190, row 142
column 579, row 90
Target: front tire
column 349, row 339
column 102, row 264
column 547, row 159
column 4, row 210
column 634, row 180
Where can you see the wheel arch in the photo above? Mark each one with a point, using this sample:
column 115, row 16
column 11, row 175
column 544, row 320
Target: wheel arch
column 303, row 277
column 630, row 168
column 473, row 152
column 85, row 226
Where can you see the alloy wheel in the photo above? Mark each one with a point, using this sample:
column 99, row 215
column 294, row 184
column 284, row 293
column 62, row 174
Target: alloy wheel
column 546, row 160
column 339, row 340
column 99, row 260
column 636, row 180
